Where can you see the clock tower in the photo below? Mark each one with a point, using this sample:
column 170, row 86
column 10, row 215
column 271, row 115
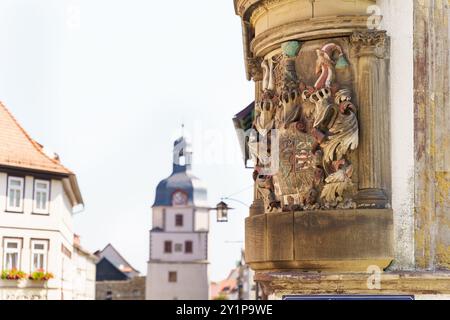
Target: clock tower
column 178, row 268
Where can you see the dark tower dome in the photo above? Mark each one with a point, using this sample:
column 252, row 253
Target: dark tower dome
column 181, row 180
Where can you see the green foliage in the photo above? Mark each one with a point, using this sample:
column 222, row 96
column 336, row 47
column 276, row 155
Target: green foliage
column 40, row 275
column 13, row 275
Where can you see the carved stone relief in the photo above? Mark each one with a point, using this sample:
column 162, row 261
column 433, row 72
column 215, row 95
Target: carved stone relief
column 307, row 128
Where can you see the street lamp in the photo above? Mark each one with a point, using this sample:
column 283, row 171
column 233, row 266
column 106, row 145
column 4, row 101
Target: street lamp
column 222, row 211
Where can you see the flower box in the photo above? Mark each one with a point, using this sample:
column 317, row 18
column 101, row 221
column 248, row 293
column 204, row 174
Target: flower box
column 13, row 275
column 19, row 279
column 22, row 284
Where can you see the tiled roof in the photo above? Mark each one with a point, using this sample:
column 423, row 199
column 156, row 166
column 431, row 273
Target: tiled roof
column 113, row 256
column 19, row 150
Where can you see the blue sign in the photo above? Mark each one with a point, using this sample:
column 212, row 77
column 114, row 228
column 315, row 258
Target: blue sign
column 349, row 298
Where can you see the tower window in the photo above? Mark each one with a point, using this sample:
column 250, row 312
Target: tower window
column 173, row 276
column 179, row 220
column 188, row 247
column 167, row 246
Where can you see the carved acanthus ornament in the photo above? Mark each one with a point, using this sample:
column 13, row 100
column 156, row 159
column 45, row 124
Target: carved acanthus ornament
column 369, row 43
column 305, row 165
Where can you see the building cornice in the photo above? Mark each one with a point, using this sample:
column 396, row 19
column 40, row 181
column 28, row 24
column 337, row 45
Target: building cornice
column 309, row 26
column 309, row 29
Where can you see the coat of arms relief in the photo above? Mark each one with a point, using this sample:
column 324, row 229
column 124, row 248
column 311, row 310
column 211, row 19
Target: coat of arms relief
column 307, row 128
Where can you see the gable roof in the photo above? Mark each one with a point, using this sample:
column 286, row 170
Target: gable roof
column 113, row 256
column 106, row 271
column 19, row 151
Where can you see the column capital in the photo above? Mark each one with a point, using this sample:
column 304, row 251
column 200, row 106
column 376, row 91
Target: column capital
column 370, row 43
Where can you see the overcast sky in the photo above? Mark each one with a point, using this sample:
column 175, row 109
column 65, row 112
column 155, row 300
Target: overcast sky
column 107, row 83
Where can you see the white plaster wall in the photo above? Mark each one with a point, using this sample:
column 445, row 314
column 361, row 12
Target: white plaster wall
column 84, row 279
column 201, row 220
column 55, row 227
column 157, row 217
column 188, row 219
column 398, row 22
column 60, row 211
column 199, row 223
column 199, row 241
column 192, row 284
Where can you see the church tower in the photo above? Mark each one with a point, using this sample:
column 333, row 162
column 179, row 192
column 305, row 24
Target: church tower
column 178, row 268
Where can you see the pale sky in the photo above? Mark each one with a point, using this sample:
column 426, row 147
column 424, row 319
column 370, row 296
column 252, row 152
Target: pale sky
column 107, row 83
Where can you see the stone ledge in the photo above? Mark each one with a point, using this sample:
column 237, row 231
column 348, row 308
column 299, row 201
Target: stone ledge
column 338, row 240
column 306, row 283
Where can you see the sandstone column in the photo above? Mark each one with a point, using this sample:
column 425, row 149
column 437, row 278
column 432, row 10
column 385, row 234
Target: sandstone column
column 369, row 51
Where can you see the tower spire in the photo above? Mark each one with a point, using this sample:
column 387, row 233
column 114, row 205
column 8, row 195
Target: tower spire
column 182, row 153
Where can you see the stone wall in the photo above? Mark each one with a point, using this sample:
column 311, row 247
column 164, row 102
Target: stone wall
column 432, row 134
column 133, row 289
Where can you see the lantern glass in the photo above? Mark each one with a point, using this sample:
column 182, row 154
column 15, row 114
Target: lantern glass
column 222, row 212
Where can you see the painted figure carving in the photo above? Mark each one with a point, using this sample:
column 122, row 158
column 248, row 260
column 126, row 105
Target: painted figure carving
column 317, row 129
column 325, row 64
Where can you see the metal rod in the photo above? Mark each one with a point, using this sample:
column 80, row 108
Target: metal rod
column 238, row 201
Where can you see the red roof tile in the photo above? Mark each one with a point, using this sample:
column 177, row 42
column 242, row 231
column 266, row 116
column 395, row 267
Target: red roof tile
column 19, row 150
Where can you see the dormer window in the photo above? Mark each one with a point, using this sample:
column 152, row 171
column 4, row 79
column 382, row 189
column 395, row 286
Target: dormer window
column 41, row 196
column 15, row 194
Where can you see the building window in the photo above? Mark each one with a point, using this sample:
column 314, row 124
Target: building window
column 167, row 246
column 179, row 220
column 178, row 247
column 188, row 247
column 41, row 196
column 39, row 251
column 173, row 277
column 12, row 252
column 15, row 194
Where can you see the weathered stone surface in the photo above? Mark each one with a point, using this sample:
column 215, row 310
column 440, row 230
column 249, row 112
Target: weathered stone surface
column 432, row 132
column 279, row 284
column 256, row 238
column 280, row 236
column 345, row 240
column 343, row 235
column 133, row 289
